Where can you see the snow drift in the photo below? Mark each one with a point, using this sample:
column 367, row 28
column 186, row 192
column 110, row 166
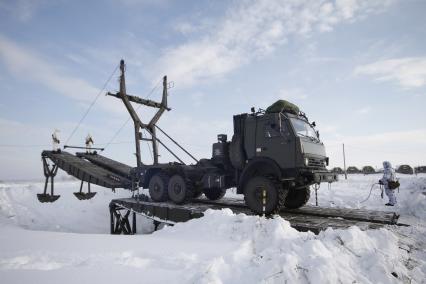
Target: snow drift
column 68, row 242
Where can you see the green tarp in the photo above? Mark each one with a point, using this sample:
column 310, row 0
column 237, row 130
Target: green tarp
column 283, row 106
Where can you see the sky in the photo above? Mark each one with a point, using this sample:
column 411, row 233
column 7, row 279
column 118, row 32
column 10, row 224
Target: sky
column 355, row 67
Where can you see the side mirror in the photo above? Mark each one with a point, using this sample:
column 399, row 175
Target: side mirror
column 253, row 110
column 313, row 124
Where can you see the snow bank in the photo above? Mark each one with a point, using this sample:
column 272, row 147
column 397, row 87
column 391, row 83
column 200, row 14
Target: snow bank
column 220, row 248
column 19, row 206
column 68, row 242
column 269, row 250
column 351, row 192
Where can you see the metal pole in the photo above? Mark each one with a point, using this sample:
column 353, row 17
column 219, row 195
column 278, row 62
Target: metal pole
column 111, row 221
column 131, row 111
column 138, row 146
column 177, row 144
column 344, row 162
column 170, row 151
column 154, row 144
column 134, row 224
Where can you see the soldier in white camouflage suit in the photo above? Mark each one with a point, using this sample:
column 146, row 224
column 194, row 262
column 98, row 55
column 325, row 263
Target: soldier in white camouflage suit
column 388, row 175
column 89, row 143
column 55, row 141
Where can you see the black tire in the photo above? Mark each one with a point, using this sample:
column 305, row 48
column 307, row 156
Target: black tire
column 180, row 191
column 297, row 198
column 275, row 195
column 158, row 187
column 214, row 193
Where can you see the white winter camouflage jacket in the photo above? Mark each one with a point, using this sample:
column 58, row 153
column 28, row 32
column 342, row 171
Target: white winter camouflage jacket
column 388, row 173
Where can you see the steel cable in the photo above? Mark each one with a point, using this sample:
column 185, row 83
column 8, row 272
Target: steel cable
column 91, row 105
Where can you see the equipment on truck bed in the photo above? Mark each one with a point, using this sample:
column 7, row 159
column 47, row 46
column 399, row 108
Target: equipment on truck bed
column 272, row 159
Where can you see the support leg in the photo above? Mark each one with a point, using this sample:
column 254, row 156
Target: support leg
column 156, row 224
column 134, row 224
column 45, row 185
column 49, row 173
column 111, row 220
column 84, row 195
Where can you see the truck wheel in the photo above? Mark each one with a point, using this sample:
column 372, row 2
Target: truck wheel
column 214, row 193
column 158, row 187
column 179, row 190
column 253, row 195
column 297, row 198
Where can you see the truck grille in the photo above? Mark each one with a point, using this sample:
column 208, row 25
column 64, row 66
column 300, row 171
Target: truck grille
column 316, row 163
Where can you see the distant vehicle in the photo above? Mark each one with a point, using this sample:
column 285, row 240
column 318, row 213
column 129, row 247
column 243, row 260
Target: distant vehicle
column 353, row 170
column 421, row 169
column 405, row 169
column 368, row 170
column 337, row 170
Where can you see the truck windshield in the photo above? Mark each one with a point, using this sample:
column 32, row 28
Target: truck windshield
column 303, row 128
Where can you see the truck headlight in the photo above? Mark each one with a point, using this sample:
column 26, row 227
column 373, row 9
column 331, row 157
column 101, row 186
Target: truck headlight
column 306, row 161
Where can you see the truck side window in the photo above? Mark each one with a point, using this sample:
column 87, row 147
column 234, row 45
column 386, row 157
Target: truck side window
column 271, row 129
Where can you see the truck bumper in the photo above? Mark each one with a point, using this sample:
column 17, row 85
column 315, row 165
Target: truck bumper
column 329, row 177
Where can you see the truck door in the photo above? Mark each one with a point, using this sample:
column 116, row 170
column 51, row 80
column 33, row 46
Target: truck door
column 274, row 140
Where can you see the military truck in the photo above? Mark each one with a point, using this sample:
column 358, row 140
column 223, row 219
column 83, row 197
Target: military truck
column 338, row 170
column 366, row 170
column 405, row 169
column 272, row 159
column 353, row 170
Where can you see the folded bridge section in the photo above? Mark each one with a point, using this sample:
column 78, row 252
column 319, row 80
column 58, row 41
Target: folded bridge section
column 90, row 168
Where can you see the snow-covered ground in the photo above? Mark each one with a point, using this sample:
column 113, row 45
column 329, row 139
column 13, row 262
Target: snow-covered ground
column 68, row 242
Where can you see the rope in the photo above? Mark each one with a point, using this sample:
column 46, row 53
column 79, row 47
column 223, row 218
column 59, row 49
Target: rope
column 371, row 189
column 91, row 105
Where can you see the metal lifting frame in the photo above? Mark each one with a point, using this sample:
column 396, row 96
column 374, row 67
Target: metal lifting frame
column 151, row 126
column 138, row 124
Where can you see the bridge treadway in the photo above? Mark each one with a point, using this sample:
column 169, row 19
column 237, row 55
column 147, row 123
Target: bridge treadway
column 87, row 171
column 308, row 218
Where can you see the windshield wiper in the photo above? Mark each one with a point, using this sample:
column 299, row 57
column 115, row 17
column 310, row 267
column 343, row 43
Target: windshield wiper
column 310, row 137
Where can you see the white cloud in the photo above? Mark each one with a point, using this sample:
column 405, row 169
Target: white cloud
column 253, row 29
column 26, row 64
column 23, row 10
column 396, row 146
column 198, row 98
column 364, row 110
column 292, row 94
column 185, row 28
column 407, row 72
